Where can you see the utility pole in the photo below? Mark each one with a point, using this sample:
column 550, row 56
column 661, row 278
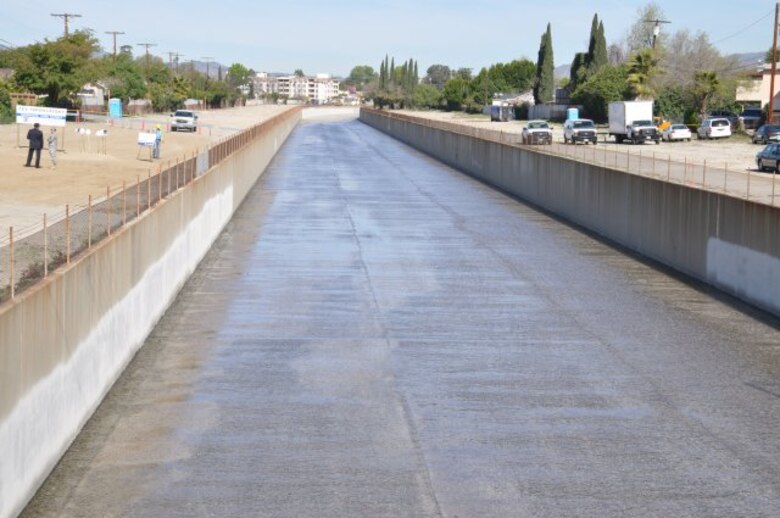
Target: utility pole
column 147, row 45
column 66, row 17
column 771, row 114
column 114, row 34
column 656, row 28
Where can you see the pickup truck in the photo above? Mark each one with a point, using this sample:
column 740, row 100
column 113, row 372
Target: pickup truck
column 184, row 119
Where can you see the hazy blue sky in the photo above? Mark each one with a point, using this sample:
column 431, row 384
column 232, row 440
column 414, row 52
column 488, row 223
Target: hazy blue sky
column 332, row 36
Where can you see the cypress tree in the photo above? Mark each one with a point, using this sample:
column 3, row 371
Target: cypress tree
column 600, row 54
column 594, row 30
column 544, row 91
column 392, row 72
column 577, row 69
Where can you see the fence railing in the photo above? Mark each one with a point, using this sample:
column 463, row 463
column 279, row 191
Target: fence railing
column 712, row 175
column 28, row 255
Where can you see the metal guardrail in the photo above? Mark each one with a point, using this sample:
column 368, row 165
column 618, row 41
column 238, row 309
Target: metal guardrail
column 29, row 255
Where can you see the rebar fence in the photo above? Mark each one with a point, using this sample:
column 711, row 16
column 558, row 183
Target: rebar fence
column 712, row 175
column 28, row 255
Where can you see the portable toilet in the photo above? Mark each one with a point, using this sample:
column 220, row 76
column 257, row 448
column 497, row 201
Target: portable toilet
column 572, row 113
column 115, row 108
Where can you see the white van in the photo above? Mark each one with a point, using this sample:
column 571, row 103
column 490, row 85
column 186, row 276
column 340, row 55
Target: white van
column 714, row 128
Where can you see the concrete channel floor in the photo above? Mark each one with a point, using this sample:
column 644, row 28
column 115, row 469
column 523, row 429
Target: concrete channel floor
column 375, row 334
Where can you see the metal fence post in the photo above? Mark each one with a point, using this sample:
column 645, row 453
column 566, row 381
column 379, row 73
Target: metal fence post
column 45, row 247
column 704, row 175
column 149, row 189
column 11, row 266
column 108, row 210
column 137, row 195
column 159, row 183
column 774, row 177
column 748, row 185
column 725, row 175
column 124, row 203
column 67, row 234
column 89, row 221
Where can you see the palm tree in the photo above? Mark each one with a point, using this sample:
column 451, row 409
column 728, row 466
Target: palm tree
column 706, row 86
column 642, row 69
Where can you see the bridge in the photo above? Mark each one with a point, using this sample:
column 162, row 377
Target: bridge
column 376, row 334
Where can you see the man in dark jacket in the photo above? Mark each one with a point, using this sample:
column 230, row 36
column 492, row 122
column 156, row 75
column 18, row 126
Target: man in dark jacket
column 35, row 136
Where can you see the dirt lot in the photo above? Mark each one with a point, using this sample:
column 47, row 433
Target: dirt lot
column 736, row 151
column 83, row 169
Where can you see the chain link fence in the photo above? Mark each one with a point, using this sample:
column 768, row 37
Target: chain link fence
column 30, row 254
column 712, row 175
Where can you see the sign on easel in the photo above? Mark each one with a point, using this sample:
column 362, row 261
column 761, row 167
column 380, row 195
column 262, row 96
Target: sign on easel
column 146, row 140
column 41, row 115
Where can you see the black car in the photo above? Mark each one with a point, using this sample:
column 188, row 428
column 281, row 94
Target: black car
column 766, row 134
column 769, row 158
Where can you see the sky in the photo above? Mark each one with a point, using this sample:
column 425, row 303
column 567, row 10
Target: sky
column 332, row 37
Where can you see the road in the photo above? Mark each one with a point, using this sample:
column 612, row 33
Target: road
column 375, row 334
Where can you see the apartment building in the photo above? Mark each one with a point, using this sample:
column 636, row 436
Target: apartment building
column 320, row 88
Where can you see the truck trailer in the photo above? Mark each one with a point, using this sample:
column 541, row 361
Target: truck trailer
column 633, row 121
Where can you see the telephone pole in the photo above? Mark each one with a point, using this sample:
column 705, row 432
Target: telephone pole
column 771, row 115
column 147, row 45
column 114, row 34
column 656, row 28
column 66, row 17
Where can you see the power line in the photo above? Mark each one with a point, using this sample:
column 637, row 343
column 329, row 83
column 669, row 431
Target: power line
column 767, row 15
column 66, row 17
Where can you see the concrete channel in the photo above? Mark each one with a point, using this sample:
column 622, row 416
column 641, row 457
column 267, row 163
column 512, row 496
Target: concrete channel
column 376, row 334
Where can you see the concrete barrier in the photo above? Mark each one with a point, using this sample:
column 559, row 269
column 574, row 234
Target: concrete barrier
column 64, row 342
column 728, row 242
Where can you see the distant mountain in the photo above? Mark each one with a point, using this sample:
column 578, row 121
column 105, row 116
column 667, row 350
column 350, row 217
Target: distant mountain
column 744, row 59
column 562, row 71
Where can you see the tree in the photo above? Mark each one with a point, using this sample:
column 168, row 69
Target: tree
column 437, row 76
column 600, row 56
column 640, row 35
column 455, row 92
column 361, row 75
column 707, row 86
column 238, row 75
column 298, row 73
column 642, row 69
column 577, row 71
column 426, row 96
column 607, row 85
column 463, row 73
column 544, row 91
column 519, row 75
column 123, row 77
column 57, row 68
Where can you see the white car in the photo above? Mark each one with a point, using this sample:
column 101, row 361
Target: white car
column 676, row 132
column 184, row 119
column 714, row 128
column 537, row 132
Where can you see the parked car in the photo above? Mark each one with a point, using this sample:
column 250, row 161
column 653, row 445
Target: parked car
column 579, row 130
column 766, row 134
column 676, row 132
column 732, row 117
column 769, row 158
column 714, row 128
column 750, row 118
column 537, row 132
column 184, row 119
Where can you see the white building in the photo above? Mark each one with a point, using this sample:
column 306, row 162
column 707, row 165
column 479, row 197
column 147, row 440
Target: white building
column 319, row 89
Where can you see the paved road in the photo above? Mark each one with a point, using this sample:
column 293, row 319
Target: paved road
column 377, row 335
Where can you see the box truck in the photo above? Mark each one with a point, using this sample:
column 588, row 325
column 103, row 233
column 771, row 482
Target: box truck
column 633, row 121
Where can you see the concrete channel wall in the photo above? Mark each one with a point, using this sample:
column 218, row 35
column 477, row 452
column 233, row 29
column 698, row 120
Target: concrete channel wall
column 65, row 342
column 727, row 242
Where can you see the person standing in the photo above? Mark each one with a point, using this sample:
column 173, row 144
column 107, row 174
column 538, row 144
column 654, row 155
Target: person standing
column 35, row 137
column 157, row 141
column 52, row 142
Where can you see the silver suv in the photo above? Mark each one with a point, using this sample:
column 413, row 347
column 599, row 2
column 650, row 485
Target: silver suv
column 579, row 130
column 184, row 119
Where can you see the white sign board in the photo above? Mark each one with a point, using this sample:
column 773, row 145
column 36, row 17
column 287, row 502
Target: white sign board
column 41, row 115
column 146, row 139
